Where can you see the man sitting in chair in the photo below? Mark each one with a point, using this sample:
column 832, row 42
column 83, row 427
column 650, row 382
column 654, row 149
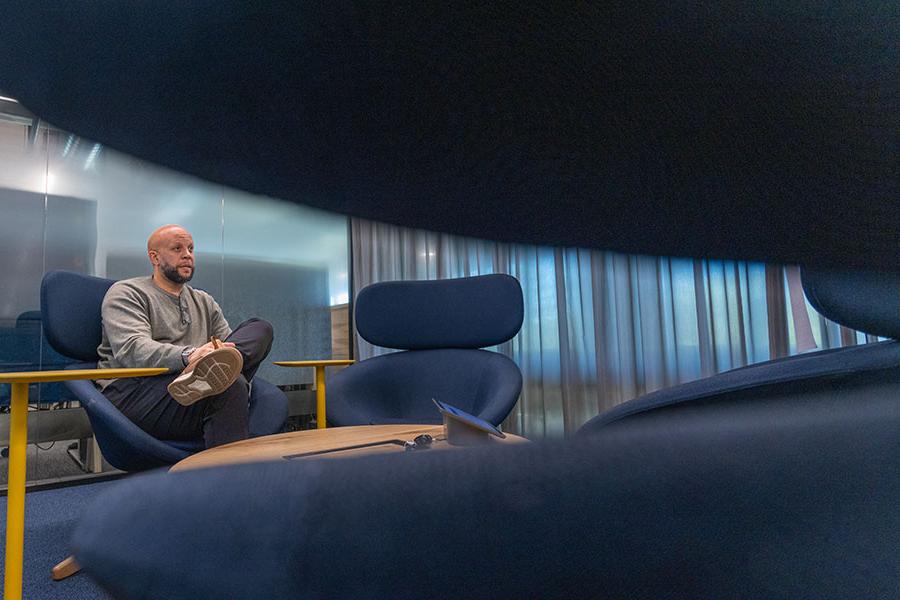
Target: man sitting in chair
column 159, row 321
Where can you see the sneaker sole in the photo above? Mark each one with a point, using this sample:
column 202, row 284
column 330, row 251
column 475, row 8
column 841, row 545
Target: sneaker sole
column 213, row 374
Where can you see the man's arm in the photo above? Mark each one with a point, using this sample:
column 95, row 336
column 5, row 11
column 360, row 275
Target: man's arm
column 218, row 325
column 126, row 321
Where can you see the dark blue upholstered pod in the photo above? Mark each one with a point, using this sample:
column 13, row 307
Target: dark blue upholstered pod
column 441, row 324
column 758, row 130
column 70, row 309
column 797, row 502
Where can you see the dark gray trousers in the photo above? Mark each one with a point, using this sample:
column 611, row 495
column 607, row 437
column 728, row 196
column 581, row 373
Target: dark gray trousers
column 217, row 419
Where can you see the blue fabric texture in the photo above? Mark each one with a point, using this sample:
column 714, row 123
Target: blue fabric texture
column 123, row 444
column 268, row 408
column 70, row 307
column 470, row 312
column 828, row 371
column 442, row 324
column 863, row 299
column 796, row 503
column 127, row 447
column 50, row 518
column 761, row 131
column 398, row 388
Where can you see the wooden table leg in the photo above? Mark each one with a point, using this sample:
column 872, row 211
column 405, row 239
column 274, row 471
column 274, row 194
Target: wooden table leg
column 15, row 495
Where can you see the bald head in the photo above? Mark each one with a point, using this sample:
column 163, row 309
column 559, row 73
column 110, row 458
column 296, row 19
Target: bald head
column 171, row 252
column 162, row 233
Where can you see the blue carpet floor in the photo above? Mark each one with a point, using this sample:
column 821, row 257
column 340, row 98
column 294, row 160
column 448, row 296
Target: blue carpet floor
column 50, row 517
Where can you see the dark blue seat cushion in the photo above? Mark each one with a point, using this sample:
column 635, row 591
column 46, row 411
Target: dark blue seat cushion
column 827, row 372
column 190, row 446
column 470, row 312
column 398, row 387
column 127, row 447
column 268, row 408
column 123, row 444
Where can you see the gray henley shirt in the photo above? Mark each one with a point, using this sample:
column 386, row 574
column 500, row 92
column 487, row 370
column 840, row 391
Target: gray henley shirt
column 145, row 326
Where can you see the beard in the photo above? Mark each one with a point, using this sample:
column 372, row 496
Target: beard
column 170, row 272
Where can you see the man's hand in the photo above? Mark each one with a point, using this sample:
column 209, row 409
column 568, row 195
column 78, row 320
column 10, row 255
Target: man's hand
column 205, row 349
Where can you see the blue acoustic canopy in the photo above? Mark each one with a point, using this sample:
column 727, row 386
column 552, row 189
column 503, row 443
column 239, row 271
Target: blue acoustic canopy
column 472, row 312
column 763, row 130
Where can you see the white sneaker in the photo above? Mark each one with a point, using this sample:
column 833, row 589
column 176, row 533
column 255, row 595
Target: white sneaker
column 213, row 374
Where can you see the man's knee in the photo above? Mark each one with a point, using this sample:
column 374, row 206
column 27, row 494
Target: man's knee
column 259, row 329
column 237, row 393
column 266, row 331
column 240, row 387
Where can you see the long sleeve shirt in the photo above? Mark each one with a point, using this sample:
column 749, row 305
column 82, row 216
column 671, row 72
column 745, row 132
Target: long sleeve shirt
column 145, row 326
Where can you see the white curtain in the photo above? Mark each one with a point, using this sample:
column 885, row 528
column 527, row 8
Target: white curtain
column 602, row 327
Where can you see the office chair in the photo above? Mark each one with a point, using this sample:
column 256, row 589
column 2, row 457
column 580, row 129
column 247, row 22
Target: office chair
column 70, row 309
column 440, row 326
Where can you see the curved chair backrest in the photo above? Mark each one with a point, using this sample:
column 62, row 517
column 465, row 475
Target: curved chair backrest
column 70, row 309
column 864, row 299
column 441, row 325
column 470, row 312
column 867, row 300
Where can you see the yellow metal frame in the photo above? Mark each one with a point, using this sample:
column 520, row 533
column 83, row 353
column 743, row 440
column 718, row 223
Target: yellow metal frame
column 320, row 380
column 18, row 440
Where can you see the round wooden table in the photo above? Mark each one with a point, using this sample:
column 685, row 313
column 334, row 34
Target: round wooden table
column 334, row 442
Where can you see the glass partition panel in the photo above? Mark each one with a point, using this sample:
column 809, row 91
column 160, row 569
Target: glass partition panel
column 132, row 198
column 286, row 264
column 23, row 185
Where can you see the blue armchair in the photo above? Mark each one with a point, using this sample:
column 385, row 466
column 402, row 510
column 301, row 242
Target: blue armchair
column 440, row 325
column 70, row 309
column 827, row 380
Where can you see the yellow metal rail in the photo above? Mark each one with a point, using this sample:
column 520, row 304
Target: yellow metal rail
column 320, row 380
